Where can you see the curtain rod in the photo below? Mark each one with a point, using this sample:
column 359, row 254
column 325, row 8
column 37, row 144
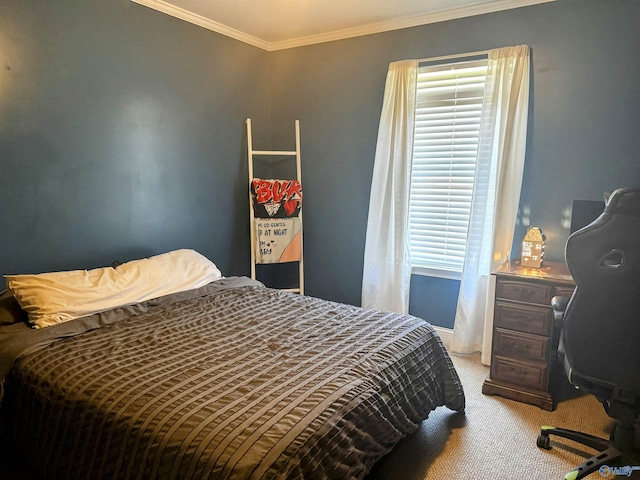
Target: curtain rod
column 451, row 57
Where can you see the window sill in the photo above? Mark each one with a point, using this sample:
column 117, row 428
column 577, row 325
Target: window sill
column 436, row 272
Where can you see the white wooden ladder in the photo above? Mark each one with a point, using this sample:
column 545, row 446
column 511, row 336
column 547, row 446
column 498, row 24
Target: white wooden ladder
column 295, row 154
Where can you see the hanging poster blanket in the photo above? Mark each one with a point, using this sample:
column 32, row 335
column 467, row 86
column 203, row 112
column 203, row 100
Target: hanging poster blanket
column 276, row 198
column 279, row 240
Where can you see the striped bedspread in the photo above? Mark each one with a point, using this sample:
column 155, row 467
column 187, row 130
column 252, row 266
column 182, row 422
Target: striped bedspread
column 233, row 381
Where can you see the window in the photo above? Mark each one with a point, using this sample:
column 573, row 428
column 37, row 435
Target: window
column 446, row 134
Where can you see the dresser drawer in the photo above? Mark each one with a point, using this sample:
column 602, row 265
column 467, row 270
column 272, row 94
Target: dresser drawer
column 520, row 345
column 538, row 293
column 564, row 291
column 520, row 373
column 523, row 318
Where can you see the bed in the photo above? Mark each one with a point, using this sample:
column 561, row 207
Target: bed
column 229, row 379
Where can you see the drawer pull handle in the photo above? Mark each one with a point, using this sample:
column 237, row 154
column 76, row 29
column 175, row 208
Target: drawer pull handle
column 522, row 346
column 525, row 292
column 523, row 372
column 523, row 319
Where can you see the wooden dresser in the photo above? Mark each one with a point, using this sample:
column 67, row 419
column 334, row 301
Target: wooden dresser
column 524, row 358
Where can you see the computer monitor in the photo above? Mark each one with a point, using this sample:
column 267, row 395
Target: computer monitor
column 584, row 212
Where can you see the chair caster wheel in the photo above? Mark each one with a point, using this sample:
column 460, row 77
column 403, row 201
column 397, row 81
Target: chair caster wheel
column 544, row 441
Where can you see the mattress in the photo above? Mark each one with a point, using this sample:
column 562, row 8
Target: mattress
column 232, row 380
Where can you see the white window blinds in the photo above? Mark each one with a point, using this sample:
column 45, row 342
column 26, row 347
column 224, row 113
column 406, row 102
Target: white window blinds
column 447, row 126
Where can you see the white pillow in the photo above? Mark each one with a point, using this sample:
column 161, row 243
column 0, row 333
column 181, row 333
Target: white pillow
column 51, row 298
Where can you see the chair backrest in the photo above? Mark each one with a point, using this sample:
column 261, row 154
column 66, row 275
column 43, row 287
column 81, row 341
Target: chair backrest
column 601, row 329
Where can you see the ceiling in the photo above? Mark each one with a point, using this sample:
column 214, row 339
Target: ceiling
column 278, row 24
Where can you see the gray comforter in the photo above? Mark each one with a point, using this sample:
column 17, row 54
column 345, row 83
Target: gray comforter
column 233, row 380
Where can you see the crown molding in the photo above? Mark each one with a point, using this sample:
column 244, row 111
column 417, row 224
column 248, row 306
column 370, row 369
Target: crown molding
column 407, row 22
column 385, row 26
column 182, row 14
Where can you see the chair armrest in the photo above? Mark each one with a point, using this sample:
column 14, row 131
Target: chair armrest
column 559, row 305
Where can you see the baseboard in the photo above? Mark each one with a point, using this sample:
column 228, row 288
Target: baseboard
column 446, row 334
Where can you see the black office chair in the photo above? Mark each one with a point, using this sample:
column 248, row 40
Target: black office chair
column 600, row 342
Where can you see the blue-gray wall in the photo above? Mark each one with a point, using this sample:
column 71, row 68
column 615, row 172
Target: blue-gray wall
column 122, row 135
column 122, row 131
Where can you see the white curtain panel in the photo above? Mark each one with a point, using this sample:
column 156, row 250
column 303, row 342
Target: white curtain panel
column 387, row 267
column 500, row 164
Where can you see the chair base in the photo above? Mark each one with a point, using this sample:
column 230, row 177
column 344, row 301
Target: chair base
column 607, row 455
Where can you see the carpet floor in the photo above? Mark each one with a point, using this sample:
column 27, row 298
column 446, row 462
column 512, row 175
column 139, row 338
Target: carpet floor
column 495, row 438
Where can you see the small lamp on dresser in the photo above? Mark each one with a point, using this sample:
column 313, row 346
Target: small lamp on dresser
column 533, row 248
